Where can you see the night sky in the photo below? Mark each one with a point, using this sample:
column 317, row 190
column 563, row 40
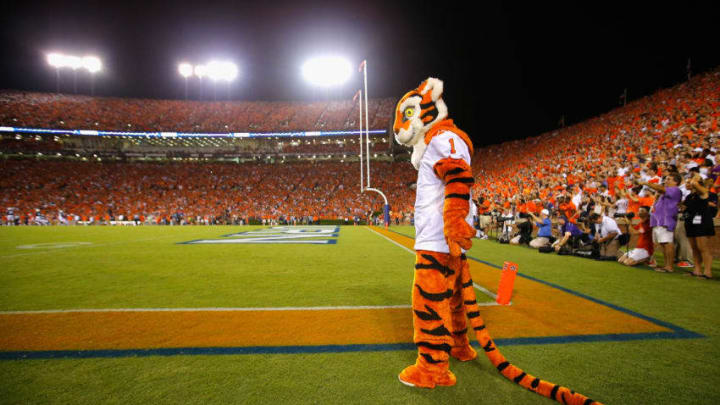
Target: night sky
column 510, row 71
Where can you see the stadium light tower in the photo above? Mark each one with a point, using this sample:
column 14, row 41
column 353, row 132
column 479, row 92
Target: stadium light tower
column 90, row 63
column 185, row 70
column 93, row 65
column 57, row 61
column 327, row 71
column 200, row 72
column 74, row 63
column 221, row 71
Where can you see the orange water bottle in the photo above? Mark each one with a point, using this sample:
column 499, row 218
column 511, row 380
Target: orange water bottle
column 507, row 282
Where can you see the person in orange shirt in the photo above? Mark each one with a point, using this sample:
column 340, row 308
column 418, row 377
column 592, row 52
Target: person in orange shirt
column 484, row 217
column 567, row 208
column 633, row 199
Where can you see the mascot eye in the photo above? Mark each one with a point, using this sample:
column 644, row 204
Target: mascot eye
column 409, row 112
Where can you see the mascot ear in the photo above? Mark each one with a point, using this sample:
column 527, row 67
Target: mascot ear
column 431, row 87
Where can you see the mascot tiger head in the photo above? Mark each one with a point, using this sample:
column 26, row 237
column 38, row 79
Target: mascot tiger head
column 416, row 112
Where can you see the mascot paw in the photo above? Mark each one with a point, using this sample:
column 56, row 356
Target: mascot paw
column 463, row 353
column 456, row 245
column 415, row 376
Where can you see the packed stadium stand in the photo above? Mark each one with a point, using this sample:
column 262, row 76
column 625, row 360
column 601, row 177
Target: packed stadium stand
column 62, row 111
column 71, row 112
column 199, row 192
column 590, row 166
column 673, row 127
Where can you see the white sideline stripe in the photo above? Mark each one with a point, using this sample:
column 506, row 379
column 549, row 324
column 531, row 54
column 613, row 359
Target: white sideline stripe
column 213, row 309
column 485, row 290
column 478, row 287
column 391, row 241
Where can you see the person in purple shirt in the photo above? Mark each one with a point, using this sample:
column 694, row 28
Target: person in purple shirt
column 664, row 217
column 568, row 231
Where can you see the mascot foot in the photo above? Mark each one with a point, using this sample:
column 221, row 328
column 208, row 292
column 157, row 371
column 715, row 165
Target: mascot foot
column 415, row 376
column 463, row 353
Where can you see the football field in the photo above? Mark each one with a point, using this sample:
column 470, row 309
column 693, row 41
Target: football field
column 322, row 315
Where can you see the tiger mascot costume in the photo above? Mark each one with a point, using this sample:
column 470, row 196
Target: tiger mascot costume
column 443, row 293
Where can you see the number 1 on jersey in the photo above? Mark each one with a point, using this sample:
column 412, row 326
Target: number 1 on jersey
column 452, row 146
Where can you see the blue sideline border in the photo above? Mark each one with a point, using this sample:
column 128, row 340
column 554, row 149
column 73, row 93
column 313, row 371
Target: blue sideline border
column 677, row 333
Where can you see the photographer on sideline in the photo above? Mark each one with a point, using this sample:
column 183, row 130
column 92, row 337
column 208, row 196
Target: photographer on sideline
column 569, row 232
column 608, row 233
column 544, row 229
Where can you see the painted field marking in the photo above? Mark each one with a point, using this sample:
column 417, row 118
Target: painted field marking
column 53, row 245
column 305, row 235
column 215, row 309
column 92, row 245
column 391, row 241
column 210, row 309
column 477, row 287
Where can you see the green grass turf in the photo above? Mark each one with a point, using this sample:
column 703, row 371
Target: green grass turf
column 142, row 267
column 145, row 267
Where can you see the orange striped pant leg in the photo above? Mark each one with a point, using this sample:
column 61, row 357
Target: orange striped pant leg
column 432, row 320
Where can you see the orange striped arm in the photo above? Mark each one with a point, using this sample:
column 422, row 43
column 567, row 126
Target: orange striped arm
column 457, row 175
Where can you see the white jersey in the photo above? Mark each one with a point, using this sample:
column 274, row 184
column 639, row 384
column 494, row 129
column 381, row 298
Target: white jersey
column 430, row 192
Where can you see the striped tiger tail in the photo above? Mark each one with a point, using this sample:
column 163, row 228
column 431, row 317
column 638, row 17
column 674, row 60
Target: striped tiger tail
column 513, row 373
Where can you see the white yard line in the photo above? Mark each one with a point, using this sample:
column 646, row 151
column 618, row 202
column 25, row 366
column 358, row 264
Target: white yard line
column 213, row 309
column 478, row 287
column 210, row 309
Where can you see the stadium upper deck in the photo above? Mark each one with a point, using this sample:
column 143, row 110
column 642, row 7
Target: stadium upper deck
column 62, row 111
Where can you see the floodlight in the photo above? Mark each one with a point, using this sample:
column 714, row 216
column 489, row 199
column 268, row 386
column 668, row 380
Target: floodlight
column 73, row 62
column 92, row 64
column 327, row 71
column 185, row 69
column 56, row 60
column 222, row 71
column 201, row 71
column 214, row 70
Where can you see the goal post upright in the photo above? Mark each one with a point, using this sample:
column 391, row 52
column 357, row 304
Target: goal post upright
column 358, row 95
column 367, row 123
column 386, row 207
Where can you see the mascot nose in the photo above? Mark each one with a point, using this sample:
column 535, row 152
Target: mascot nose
column 392, row 129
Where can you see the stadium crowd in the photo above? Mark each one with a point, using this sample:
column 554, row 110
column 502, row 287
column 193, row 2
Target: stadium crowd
column 63, row 111
column 198, row 192
column 658, row 152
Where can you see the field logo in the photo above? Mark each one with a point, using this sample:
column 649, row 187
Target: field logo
column 296, row 235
